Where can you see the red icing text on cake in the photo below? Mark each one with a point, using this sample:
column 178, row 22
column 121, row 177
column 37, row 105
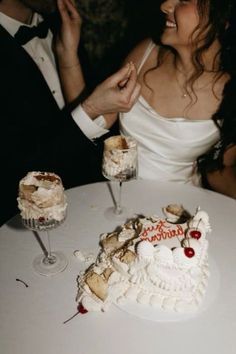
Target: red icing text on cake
column 161, row 230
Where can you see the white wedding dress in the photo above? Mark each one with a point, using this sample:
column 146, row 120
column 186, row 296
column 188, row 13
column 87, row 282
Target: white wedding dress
column 167, row 147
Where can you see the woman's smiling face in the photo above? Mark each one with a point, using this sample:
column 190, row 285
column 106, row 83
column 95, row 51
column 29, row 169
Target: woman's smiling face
column 182, row 19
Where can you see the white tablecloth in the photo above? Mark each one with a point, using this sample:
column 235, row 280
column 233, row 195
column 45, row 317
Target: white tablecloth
column 31, row 319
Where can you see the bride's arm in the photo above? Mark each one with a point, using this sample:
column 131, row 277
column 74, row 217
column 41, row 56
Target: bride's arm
column 224, row 181
column 67, row 43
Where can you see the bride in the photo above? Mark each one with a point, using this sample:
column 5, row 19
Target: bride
column 184, row 119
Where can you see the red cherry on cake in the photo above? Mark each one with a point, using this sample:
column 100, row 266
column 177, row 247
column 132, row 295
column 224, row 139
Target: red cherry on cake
column 189, row 252
column 195, row 234
column 82, row 309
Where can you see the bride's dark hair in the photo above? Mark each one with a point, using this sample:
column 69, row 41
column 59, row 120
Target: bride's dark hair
column 223, row 26
column 217, row 20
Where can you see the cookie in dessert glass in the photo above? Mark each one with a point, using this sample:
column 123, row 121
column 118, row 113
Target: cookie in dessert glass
column 42, row 204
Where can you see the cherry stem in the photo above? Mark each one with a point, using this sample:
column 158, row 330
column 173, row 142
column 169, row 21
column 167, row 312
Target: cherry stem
column 71, row 317
column 21, row 281
column 198, row 223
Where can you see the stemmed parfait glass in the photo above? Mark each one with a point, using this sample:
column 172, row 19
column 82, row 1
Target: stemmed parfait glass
column 120, row 164
column 43, row 206
column 48, row 263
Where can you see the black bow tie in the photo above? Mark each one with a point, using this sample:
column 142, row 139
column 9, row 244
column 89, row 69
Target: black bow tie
column 25, row 33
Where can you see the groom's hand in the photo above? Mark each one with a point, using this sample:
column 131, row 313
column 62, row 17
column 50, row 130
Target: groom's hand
column 116, row 94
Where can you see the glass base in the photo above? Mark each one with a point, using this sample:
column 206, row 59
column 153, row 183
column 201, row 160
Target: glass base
column 57, row 263
column 111, row 214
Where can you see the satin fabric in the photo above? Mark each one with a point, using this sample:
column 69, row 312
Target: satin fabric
column 167, row 147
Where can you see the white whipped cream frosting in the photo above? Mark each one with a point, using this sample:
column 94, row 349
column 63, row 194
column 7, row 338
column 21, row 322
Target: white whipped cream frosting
column 159, row 276
column 145, row 250
column 200, row 221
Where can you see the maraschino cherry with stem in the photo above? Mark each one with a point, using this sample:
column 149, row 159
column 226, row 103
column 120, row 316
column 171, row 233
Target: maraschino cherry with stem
column 80, row 310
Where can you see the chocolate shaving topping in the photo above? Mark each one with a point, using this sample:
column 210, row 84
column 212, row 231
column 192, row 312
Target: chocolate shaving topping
column 51, row 178
column 124, row 143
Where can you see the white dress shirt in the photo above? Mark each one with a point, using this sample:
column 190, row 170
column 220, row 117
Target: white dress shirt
column 40, row 50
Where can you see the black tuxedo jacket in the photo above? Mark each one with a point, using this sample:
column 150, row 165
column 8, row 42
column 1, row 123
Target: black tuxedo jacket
column 35, row 134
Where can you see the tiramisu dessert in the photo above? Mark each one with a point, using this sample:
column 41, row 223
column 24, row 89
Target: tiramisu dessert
column 120, row 158
column 42, row 199
column 154, row 261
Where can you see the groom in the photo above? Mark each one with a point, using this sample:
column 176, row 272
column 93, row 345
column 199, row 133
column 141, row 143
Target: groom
column 39, row 131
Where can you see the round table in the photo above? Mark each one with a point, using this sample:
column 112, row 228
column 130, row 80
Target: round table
column 32, row 317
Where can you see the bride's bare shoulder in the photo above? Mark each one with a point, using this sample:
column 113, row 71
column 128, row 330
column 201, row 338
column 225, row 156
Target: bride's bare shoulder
column 137, row 53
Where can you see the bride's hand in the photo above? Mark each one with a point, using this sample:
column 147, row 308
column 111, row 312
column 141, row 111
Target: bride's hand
column 67, row 41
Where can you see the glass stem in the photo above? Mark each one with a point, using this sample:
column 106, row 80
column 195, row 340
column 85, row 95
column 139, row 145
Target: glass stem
column 118, row 209
column 50, row 259
column 49, row 245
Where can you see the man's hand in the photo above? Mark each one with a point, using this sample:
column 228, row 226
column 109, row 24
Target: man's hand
column 116, row 94
column 67, row 41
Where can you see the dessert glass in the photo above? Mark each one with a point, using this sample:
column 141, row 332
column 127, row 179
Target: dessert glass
column 119, row 165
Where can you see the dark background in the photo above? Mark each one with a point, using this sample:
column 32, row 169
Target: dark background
column 111, row 28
